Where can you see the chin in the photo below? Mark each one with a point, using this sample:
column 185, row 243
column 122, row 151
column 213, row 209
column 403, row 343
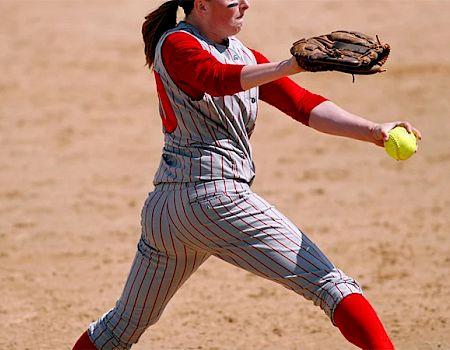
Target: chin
column 237, row 29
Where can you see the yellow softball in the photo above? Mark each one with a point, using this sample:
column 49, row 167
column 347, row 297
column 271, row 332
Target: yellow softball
column 401, row 144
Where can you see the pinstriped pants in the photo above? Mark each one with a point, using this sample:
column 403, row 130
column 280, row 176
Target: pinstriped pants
column 183, row 224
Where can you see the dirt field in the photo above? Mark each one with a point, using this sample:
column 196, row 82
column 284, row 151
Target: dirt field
column 80, row 140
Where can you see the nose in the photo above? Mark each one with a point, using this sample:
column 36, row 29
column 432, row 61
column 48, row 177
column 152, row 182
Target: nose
column 244, row 5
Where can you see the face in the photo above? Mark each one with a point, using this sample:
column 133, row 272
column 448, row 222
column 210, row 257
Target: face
column 224, row 17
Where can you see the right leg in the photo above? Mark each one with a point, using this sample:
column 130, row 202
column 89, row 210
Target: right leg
column 161, row 265
column 153, row 280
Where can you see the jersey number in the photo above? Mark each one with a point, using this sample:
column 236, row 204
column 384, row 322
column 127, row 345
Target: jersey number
column 168, row 117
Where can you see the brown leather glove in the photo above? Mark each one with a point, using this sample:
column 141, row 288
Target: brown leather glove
column 343, row 51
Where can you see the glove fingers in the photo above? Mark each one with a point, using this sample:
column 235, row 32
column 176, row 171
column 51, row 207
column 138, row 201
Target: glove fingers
column 352, row 37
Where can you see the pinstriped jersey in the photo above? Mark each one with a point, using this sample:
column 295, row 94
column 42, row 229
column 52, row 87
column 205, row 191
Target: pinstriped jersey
column 206, row 139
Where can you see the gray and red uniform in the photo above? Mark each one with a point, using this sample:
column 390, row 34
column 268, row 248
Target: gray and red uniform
column 202, row 204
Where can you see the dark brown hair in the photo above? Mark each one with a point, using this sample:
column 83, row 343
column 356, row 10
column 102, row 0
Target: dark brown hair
column 158, row 22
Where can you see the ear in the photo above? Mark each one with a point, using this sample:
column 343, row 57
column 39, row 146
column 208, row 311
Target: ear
column 201, row 6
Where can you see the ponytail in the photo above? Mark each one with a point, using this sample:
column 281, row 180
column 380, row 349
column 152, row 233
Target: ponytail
column 158, row 22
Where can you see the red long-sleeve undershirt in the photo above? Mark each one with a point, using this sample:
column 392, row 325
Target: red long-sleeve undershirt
column 195, row 71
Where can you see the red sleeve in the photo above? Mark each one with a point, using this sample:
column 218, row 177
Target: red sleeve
column 195, row 71
column 288, row 96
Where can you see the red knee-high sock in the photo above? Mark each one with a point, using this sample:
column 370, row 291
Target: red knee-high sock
column 84, row 343
column 360, row 325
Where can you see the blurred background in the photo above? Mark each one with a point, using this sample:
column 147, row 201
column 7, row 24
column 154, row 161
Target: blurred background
column 80, row 140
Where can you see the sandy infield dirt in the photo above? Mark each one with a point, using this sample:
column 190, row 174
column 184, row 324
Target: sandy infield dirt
column 80, row 140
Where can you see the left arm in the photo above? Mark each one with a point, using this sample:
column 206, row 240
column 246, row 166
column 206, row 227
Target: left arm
column 286, row 95
column 331, row 119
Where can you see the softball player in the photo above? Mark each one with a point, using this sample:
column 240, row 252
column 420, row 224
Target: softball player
column 208, row 84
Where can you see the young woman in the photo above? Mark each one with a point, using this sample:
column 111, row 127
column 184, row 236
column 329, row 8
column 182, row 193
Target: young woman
column 209, row 84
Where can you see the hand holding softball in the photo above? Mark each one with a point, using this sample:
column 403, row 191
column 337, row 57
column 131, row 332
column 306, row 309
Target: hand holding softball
column 380, row 133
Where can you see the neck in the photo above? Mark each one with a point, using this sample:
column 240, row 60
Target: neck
column 206, row 31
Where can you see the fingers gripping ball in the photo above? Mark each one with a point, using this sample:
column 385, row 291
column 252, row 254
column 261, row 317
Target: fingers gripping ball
column 401, row 144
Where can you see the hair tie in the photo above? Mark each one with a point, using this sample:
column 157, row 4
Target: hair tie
column 181, row 2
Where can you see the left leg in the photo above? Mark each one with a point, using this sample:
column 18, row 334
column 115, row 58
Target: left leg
column 360, row 325
column 241, row 228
